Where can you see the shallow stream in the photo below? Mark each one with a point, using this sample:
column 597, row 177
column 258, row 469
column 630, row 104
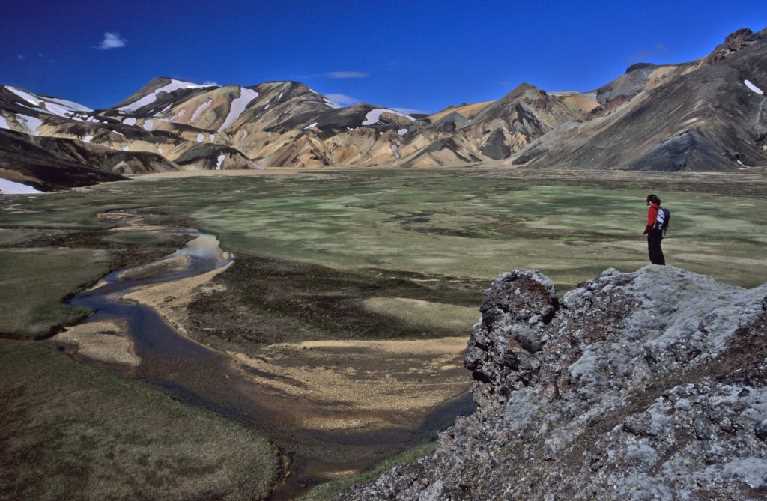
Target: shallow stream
column 203, row 377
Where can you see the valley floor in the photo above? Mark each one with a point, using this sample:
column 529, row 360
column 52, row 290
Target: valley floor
column 338, row 330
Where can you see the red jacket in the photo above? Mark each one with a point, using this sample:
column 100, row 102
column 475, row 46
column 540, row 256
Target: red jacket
column 652, row 216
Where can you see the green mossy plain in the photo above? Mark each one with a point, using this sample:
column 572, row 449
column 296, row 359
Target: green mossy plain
column 328, row 490
column 74, row 431
column 443, row 232
column 457, row 223
column 33, row 283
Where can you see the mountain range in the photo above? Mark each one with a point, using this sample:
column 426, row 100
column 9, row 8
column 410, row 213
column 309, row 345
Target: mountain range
column 707, row 114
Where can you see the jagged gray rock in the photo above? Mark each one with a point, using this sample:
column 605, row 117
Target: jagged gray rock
column 644, row 385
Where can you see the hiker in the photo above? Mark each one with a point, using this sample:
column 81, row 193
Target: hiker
column 657, row 224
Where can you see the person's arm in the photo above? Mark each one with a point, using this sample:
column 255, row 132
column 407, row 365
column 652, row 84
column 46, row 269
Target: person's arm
column 652, row 215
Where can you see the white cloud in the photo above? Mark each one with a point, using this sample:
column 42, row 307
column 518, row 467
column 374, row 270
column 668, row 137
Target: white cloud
column 112, row 41
column 342, row 99
column 341, row 75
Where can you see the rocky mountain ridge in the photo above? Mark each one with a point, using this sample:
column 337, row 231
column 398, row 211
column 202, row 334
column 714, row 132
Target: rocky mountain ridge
column 635, row 386
column 702, row 115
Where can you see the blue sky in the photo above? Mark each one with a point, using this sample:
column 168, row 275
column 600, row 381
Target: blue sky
column 420, row 55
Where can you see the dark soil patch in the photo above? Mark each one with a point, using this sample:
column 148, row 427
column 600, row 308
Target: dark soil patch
column 273, row 301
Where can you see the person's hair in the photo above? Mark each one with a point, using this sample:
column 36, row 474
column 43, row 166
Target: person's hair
column 653, row 199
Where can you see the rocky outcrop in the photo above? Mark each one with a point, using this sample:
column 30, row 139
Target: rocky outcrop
column 635, row 386
column 213, row 157
column 734, row 42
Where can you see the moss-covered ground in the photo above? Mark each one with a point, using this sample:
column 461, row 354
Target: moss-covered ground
column 459, row 223
column 319, row 256
column 33, row 283
column 73, row 431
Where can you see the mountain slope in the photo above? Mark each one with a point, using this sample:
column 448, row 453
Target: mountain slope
column 708, row 114
column 703, row 116
column 51, row 164
column 496, row 131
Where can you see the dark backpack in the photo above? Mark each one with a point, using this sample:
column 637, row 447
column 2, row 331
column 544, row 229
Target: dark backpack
column 663, row 219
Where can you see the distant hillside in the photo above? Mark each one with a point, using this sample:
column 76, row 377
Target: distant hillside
column 708, row 114
column 705, row 115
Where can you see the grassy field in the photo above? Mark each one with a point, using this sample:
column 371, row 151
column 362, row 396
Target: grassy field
column 324, row 257
column 329, row 490
column 33, row 283
column 455, row 223
column 72, row 431
column 468, row 226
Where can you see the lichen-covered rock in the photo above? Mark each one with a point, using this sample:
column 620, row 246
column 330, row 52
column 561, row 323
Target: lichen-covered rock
column 518, row 305
column 639, row 386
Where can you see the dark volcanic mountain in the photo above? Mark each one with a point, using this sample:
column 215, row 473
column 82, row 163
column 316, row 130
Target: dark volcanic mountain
column 48, row 163
column 706, row 115
column 701, row 115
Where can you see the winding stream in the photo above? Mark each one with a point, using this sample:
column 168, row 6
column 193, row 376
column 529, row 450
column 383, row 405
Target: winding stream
column 203, row 377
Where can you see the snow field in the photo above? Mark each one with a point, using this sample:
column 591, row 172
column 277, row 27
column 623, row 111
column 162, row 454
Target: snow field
column 152, row 97
column 238, row 106
column 374, row 116
column 12, row 188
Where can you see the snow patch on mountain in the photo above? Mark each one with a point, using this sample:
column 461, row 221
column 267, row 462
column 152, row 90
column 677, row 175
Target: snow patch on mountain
column 58, row 110
column 87, row 139
column 332, row 103
column 4, row 123
column 374, row 116
column 311, row 126
column 30, row 123
column 200, row 137
column 148, row 125
column 26, row 96
column 219, row 161
column 12, row 188
column 71, row 105
column 204, row 106
column 174, row 85
column 129, row 121
column 753, row 87
column 238, row 106
column 59, row 107
column 402, row 132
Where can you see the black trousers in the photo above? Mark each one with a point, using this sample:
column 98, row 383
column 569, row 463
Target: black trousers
column 653, row 245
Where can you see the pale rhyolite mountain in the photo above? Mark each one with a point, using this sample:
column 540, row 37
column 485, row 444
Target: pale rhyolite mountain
column 702, row 115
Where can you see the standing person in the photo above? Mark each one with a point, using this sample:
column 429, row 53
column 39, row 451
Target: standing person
column 657, row 220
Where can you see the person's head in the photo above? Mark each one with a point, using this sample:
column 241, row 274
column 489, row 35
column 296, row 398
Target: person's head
column 653, row 199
